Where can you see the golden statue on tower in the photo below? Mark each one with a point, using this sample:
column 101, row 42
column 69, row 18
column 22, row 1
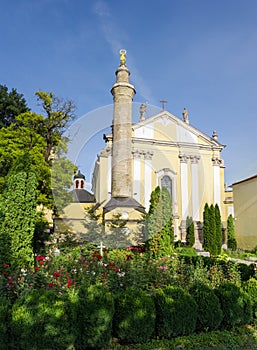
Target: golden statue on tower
column 123, row 54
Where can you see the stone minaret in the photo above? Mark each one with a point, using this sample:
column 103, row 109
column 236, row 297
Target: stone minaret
column 123, row 93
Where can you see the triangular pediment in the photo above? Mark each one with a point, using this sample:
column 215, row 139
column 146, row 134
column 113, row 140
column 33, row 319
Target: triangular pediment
column 167, row 127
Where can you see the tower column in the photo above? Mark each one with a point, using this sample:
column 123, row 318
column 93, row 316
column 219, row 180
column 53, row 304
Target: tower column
column 123, row 93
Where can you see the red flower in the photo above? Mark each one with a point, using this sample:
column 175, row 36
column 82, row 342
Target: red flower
column 6, row 265
column 37, row 268
column 40, row 257
column 50, row 284
column 69, row 283
column 41, row 262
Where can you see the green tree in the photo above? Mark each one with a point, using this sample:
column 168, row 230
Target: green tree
column 206, row 228
column 58, row 115
column 11, row 105
column 218, row 231
column 190, row 229
column 232, row 243
column 18, row 207
column 159, row 228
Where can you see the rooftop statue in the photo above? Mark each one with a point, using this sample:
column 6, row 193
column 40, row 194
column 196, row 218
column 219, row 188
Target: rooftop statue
column 123, row 54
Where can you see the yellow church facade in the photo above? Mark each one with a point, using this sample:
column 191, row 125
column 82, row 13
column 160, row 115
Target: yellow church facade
column 168, row 152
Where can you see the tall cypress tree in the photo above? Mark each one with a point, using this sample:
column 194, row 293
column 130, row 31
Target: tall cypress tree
column 212, row 222
column 232, row 243
column 190, row 236
column 18, row 210
column 218, row 230
column 158, row 228
column 206, row 227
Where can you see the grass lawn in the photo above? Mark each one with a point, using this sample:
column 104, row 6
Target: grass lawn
column 244, row 338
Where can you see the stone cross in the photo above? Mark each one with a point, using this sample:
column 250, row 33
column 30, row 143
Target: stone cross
column 101, row 246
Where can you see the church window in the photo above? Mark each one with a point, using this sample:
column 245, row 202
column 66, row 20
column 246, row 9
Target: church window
column 77, row 183
column 166, row 182
column 81, row 184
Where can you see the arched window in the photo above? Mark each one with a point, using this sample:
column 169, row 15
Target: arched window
column 166, row 182
column 82, row 184
column 77, row 183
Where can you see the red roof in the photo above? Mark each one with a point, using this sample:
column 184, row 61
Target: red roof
column 248, row 179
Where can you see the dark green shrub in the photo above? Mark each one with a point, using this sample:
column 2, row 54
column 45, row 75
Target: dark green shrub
column 176, row 312
column 40, row 321
column 235, row 305
column 5, row 307
column 209, row 313
column 250, row 287
column 134, row 319
column 92, row 315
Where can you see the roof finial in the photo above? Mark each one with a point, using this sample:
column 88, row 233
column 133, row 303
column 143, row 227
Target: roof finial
column 163, row 102
column 123, row 54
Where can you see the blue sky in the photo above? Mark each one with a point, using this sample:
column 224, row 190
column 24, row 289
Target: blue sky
column 199, row 54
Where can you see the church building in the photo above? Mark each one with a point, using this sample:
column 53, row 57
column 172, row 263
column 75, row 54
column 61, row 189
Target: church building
column 161, row 150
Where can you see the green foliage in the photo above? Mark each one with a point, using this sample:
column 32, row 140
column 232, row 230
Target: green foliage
column 59, row 114
column 218, row 230
column 19, row 215
column 40, row 321
column 176, row 312
column 206, row 228
column 232, row 243
column 209, row 313
column 5, row 307
column 158, row 228
column 190, row 232
column 93, row 311
column 11, row 105
column 235, row 305
column 212, row 229
column 134, row 318
column 250, row 287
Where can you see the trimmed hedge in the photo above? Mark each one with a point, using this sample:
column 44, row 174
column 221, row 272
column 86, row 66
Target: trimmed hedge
column 235, row 304
column 250, row 287
column 92, row 315
column 134, row 318
column 5, row 308
column 40, row 321
column 209, row 313
column 176, row 312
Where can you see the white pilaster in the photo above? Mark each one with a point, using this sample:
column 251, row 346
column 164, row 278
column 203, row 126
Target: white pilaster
column 184, row 185
column 195, row 188
column 148, row 178
column 137, row 175
column 216, row 181
column 109, row 177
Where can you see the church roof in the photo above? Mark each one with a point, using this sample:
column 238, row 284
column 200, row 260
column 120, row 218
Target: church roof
column 245, row 180
column 171, row 117
column 82, row 196
column 79, row 175
column 123, row 202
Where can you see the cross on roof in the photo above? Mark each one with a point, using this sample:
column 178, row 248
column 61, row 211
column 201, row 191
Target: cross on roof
column 163, row 102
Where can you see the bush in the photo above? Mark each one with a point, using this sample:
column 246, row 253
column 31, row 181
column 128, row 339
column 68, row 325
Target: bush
column 5, row 308
column 92, row 315
column 209, row 313
column 250, row 287
column 176, row 312
column 134, row 319
column 235, row 305
column 40, row 321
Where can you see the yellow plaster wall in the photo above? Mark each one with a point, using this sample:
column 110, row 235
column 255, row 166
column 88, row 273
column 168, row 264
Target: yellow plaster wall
column 245, row 206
